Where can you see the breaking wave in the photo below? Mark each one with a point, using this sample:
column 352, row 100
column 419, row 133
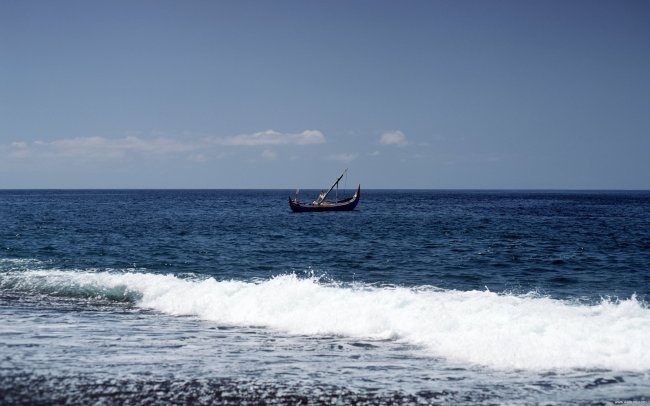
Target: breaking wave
column 501, row 331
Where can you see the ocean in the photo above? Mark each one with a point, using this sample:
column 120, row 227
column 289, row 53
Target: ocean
column 420, row 297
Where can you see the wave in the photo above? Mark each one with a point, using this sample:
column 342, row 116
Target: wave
column 501, row 331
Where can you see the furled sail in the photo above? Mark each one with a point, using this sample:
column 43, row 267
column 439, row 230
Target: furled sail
column 322, row 196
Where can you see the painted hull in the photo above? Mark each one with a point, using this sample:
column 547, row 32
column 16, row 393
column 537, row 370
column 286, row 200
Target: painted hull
column 343, row 205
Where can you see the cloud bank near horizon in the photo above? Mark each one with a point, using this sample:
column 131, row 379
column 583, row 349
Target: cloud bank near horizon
column 107, row 148
column 270, row 137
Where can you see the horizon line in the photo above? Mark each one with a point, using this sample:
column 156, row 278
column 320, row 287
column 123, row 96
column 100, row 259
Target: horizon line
column 367, row 189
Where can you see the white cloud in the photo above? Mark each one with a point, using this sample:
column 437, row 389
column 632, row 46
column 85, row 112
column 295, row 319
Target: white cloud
column 393, row 138
column 374, row 153
column 158, row 146
column 344, row 157
column 193, row 148
column 98, row 147
column 269, row 155
column 270, row 137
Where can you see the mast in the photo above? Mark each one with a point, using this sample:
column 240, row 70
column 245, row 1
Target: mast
column 322, row 196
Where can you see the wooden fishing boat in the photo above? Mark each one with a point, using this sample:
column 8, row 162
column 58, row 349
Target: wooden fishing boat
column 321, row 204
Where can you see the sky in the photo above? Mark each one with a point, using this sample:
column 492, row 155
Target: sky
column 285, row 94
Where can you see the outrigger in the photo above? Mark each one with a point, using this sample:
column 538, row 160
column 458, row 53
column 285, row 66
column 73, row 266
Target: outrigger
column 321, row 204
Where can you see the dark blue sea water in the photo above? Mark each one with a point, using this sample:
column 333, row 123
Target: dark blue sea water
column 416, row 296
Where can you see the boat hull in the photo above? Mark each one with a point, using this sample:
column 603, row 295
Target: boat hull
column 344, row 205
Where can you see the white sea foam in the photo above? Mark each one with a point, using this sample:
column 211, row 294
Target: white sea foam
column 480, row 327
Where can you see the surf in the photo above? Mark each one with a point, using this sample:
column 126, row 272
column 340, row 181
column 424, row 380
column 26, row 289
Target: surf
column 495, row 330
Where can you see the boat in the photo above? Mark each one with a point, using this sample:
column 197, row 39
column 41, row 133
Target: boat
column 320, row 204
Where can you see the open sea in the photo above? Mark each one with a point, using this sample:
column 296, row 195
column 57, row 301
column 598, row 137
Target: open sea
column 416, row 297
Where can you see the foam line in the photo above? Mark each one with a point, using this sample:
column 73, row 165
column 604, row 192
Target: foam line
column 500, row 331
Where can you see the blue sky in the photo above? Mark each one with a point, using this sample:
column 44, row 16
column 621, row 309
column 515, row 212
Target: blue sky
column 284, row 94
